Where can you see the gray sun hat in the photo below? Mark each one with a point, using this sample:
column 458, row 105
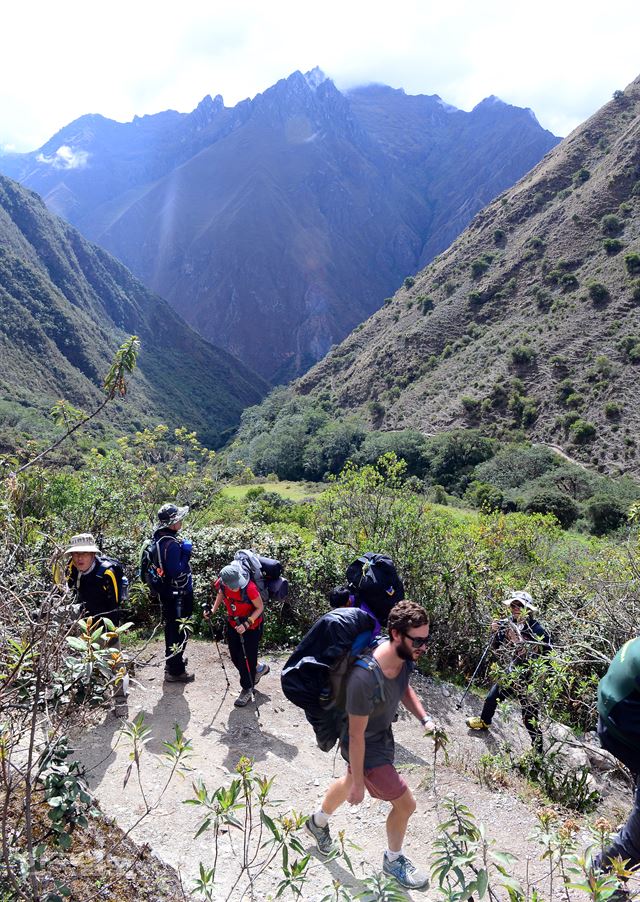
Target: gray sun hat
column 81, row 543
column 522, row 598
column 169, row 514
column 234, row 576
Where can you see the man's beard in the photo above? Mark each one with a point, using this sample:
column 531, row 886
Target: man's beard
column 403, row 652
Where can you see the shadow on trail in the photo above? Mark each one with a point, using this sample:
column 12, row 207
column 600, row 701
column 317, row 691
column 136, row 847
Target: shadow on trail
column 245, row 734
column 97, row 748
column 344, row 877
column 171, row 708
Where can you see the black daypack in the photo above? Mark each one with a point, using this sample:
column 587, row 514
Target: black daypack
column 265, row 572
column 314, row 677
column 374, row 581
column 150, row 567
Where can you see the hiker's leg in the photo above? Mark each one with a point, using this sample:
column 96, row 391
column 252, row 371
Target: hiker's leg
column 251, row 643
column 496, row 694
column 336, row 794
column 237, row 656
column 530, row 718
column 626, row 844
column 172, row 636
column 401, row 811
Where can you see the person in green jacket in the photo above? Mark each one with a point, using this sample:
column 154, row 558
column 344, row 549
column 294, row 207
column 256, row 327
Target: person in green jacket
column 619, row 733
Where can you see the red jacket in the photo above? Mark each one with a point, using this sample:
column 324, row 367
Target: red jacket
column 238, row 602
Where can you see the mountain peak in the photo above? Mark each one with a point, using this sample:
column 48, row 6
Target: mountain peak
column 315, row 77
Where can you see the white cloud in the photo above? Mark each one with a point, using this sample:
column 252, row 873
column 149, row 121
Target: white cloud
column 120, row 59
column 65, row 158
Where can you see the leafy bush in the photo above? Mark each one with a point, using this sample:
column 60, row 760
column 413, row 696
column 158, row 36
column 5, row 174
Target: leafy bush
column 522, row 355
column 409, row 282
column 425, row 304
column 632, row 262
column 612, row 246
column 552, row 501
column 610, row 225
column 568, row 282
column 598, row 292
column 499, row 237
column 582, row 432
column 581, row 176
column 479, row 266
column 606, row 514
column 612, row 410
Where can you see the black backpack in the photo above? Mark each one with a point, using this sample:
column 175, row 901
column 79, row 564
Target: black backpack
column 104, row 564
column 150, row 567
column 266, row 573
column 314, row 677
column 374, row 581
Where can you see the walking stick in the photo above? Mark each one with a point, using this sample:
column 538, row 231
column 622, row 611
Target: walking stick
column 475, row 672
column 224, row 669
column 253, row 688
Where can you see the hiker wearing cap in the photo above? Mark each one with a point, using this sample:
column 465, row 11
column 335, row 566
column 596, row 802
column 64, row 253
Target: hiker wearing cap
column 525, row 638
column 245, row 623
column 373, row 695
column 93, row 579
column 176, row 592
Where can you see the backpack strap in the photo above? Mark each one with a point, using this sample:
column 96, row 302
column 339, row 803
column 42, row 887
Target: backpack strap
column 105, row 571
column 368, row 662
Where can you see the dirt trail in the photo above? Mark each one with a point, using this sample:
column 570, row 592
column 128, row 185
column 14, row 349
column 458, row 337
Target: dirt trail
column 281, row 744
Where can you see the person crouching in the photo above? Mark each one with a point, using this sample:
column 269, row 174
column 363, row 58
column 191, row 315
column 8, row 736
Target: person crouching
column 245, row 625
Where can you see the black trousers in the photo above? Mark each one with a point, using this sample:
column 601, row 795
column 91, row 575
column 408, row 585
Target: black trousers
column 251, row 639
column 530, row 712
column 175, row 606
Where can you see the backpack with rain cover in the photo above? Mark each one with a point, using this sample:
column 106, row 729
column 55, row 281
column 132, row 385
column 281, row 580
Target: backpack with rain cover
column 314, row 677
column 266, row 573
column 374, row 581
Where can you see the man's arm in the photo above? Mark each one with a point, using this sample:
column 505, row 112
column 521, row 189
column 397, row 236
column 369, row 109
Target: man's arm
column 413, row 704
column 357, row 726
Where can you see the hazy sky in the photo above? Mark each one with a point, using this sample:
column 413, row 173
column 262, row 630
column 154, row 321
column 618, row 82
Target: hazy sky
column 58, row 61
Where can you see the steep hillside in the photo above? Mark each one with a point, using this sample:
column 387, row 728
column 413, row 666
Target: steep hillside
column 275, row 227
column 66, row 306
column 530, row 322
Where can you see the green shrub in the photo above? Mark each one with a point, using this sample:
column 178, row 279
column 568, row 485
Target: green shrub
column 478, row 267
column 598, row 292
column 581, row 176
column 575, row 400
column 499, row 237
column 388, row 301
column 409, row 282
column 582, row 431
column 425, row 303
column 632, row 262
column 635, row 291
column 606, row 514
column 552, row 501
column 470, row 405
column 522, row 355
column 568, row 282
column 612, row 410
column 611, row 225
column 612, row 246
column 484, row 496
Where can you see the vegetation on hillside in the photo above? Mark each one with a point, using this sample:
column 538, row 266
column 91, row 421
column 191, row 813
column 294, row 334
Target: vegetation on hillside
column 307, row 438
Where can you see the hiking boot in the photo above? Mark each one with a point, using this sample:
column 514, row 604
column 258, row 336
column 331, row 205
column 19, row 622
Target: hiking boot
column 476, row 723
column 322, row 835
column 184, row 677
column 405, row 872
column 261, row 670
column 243, row 699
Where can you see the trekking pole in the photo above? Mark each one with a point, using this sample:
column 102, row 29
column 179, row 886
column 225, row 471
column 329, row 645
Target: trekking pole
column 215, row 641
column 253, row 688
column 475, row 672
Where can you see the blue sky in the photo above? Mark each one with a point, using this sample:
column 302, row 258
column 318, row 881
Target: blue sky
column 563, row 58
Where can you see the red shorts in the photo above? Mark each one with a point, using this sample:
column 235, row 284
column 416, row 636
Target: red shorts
column 384, row 782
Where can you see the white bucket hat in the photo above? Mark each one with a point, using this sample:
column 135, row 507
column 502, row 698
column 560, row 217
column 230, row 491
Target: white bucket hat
column 82, row 542
column 522, row 598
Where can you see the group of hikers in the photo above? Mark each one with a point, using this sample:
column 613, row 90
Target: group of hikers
column 359, row 706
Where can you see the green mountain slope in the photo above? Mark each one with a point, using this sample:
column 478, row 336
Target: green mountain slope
column 529, row 324
column 66, row 305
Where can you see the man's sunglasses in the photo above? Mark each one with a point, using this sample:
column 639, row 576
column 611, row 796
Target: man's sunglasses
column 417, row 641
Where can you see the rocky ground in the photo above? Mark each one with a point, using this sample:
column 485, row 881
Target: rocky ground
column 281, row 744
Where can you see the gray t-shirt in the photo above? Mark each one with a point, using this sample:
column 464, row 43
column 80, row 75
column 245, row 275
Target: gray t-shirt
column 363, row 698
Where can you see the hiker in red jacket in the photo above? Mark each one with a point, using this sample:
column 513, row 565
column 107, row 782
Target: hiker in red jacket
column 245, row 624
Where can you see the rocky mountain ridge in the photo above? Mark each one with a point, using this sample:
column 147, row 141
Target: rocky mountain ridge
column 529, row 324
column 67, row 305
column 278, row 225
